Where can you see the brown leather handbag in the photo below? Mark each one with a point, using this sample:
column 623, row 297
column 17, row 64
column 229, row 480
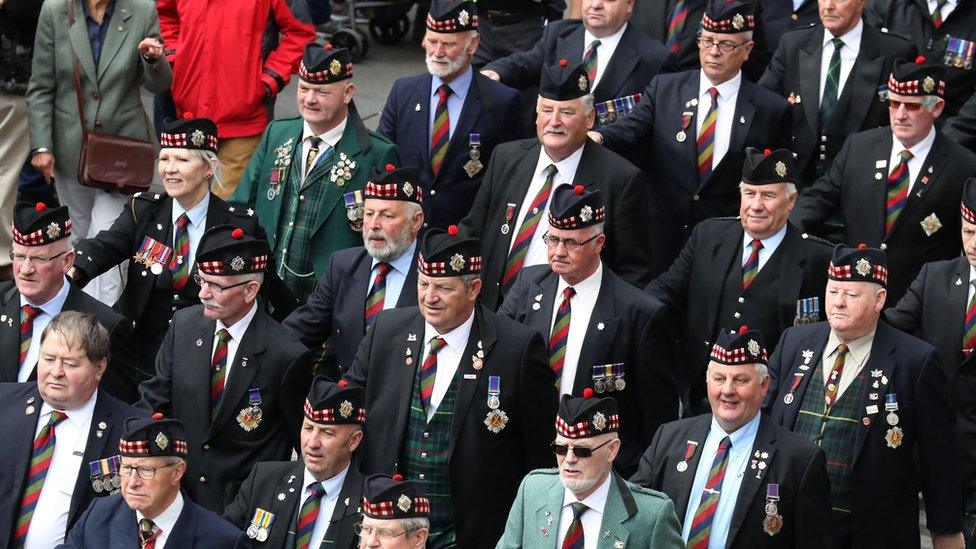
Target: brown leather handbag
column 110, row 161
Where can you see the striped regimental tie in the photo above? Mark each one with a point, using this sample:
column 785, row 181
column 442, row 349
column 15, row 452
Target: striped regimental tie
column 377, row 293
column 969, row 332
column 701, row 525
column 897, row 190
column 751, row 267
column 218, row 371
column 41, row 455
column 675, row 24
column 27, row 316
column 574, row 536
column 179, row 265
column 937, row 13
column 560, row 334
column 833, row 380
column 148, row 534
column 428, row 371
column 313, row 153
column 706, row 138
column 440, row 134
column 307, row 515
column 516, row 257
column 590, row 61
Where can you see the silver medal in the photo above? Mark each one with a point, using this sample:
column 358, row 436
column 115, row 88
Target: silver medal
column 771, row 508
column 505, row 228
column 682, row 466
column 252, row 531
column 494, row 402
column 620, row 384
column 788, row 399
column 157, row 268
column 598, row 386
column 892, row 419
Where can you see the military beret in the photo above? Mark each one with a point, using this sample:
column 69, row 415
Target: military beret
column 395, row 184
column 331, row 403
column 450, row 16
column 228, row 250
column 444, row 253
column 767, row 167
column 587, row 416
column 325, row 64
column 152, row 437
column 917, row 78
column 968, row 205
column 36, row 225
column 563, row 82
column 861, row 264
column 728, row 16
column 189, row 133
column 739, row 348
column 386, row 497
column 576, row 207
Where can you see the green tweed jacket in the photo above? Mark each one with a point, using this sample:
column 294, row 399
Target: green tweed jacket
column 633, row 516
column 332, row 231
column 110, row 90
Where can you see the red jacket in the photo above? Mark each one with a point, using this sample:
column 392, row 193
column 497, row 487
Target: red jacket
column 214, row 47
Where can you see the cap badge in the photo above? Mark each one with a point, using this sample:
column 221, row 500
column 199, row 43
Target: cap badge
column 162, row 441
column 457, row 262
column 237, row 263
column 780, row 169
column 599, row 421
column 463, row 18
column 53, row 230
column 586, row 214
column 404, row 503
column 863, row 267
column 335, row 67
column 928, row 84
column 583, row 83
column 197, row 138
column 753, row 347
column 407, row 188
column 345, row 409
column 738, row 21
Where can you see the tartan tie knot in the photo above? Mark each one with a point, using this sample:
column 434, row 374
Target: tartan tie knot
column 725, row 444
column 382, row 268
column 756, row 244
column 147, row 529
column 223, row 336
column 444, row 91
column 593, row 46
column 316, row 490
column 568, row 293
column 842, row 350
column 551, row 172
column 578, row 509
column 57, row 417
column 30, row 312
column 713, row 93
column 838, row 43
column 436, row 344
column 314, row 143
column 182, row 221
column 906, row 155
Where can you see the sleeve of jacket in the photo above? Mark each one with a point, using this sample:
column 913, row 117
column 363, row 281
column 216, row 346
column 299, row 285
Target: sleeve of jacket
column 295, row 385
column 633, row 129
column 169, row 26
column 665, row 530
column 938, row 450
column 474, row 223
column 513, row 536
column 820, row 201
column 962, row 127
column 239, row 510
column 283, row 61
column 388, row 119
column 109, row 247
column 75, row 538
column 124, row 363
column 521, row 70
column 876, row 13
column 813, row 511
column 672, row 287
column 655, row 374
column 907, row 315
column 157, row 392
column 513, row 306
column 250, row 182
column 358, row 373
column 783, row 127
column 156, row 76
column 538, row 402
column 42, row 88
column 629, row 245
column 775, row 73
column 774, row 373
column 312, row 322
column 646, row 474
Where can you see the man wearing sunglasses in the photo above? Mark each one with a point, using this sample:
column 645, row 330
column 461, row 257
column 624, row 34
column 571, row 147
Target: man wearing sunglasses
column 699, row 123
column 152, row 512
column 737, row 479
column 897, row 188
column 235, row 377
column 601, row 332
column 584, row 503
column 42, row 255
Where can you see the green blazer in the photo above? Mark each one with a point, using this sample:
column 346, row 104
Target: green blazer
column 633, row 516
column 110, row 90
column 332, row 230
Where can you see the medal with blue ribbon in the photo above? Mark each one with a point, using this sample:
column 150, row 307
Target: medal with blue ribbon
column 354, row 209
column 494, row 391
column 250, row 417
column 891, row 406
column 473, row 165
column 618, row 374
column 807, row 311
column 773, row 522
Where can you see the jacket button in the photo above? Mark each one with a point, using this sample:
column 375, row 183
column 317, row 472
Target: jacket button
column 794, row 17
column 884, row 246
column 433, row 192
column 696, row 198
column 203, row 479
column 94, row 95
column 98, row 124
column 206, row 446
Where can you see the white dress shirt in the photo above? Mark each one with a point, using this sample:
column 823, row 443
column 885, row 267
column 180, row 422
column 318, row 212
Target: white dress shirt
column 946, row 9
column 920, row 152
column 858, row 352
column 769, row 246
column 852, row 45
column 972, row 287
column 50, row 520
column 236, row 335
column 329, row 141
column 48, row 311
column 333, row 487
column 165, row 521
column 591, row 518
column 537, row 254
column 395, row 277
column 728, row 94
column 448, row 358
column 459, row 91
column 604, row 52
column 581, row 309
column 743, row 440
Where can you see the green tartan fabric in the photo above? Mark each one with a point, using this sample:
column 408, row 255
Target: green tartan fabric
column 432, row 440
column 292, row 254
column 835, row 432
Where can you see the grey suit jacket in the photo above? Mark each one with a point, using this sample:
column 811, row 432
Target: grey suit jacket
column 110, row 90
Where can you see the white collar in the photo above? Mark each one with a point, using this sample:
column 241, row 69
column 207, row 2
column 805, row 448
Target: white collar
column 166, row 520
column 197, row 213
column 331, row 136
column 79, row 417
column 972, row 273
column 595, row 501
column 921, row 149
column 741, row 434
column 456, row 339
column 566, row 167
column 54, row 305
column 725, row 90
column 851, row 38
column 238, row 328
column 607, row 41
column 332, row 486
column 584, row 288
column 769, row 242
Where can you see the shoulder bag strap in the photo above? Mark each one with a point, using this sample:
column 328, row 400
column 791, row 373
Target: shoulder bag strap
column 77, row 79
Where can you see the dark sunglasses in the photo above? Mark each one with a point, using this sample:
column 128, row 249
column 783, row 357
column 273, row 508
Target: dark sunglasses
column 580, row 452
column 893, row 104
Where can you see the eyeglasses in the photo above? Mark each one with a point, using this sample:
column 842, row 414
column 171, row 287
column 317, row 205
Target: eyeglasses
column 724, row 46
column 214, row 287
column 571, row 243
column 381, row 533
column 578, row 451
column 37, row 260
column 893, row 104
column 145, row 473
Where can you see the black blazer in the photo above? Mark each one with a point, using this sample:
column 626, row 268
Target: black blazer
column 778, row 17
column 934, row 310
column 795, row 71
column 17, row 432
column 627, row 326
column 122, row 376
column 336, row 309
column 485, row 467
column 797, row 465
column 926, row 461
column 222, row 452
column 507, row 181
column 269, row 480
column 855, row 186
column 490, row 109
column 693, row 289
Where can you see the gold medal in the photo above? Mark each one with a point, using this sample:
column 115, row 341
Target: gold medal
column 772, row 524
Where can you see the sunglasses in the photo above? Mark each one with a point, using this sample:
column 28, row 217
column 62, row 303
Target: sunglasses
column 893, row 104
column 578, row 451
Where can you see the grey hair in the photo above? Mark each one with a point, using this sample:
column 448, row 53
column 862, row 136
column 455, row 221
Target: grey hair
column 469, row 279
column 413, row 209
column 257, row 277
column 596, row 229
column 761, row 370
column 209, row 157
column 413, row 524
column 81, row 328
column 748, row 35
column 790, row 188
column 931, row 101
column 589, row 103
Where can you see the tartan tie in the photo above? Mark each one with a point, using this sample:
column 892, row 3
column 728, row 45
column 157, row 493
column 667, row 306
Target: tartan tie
column 675, row 24
column 180, row 264
column 897, row 190
column 701, row 525
column 148, row 533
column 377, row 293
column 313, row 153
column 428, row 371
column 590, row 61
column 440, row 135
column 307, row 515
column 559, row 335
column 218, row 371
column 831, row 85
column 969, row 333
column 574, row 536
column 751, row 267
column 706, row 138
column 833, row 382
column 516, row 257
column 27, row 316
column 41, row 456
column 937, row 13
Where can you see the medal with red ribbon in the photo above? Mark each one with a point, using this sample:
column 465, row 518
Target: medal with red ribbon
column 797, row 378
column 689, row 453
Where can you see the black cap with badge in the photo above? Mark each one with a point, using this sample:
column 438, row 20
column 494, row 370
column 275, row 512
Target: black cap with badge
column 395, row 184
column 968, row 205
column 451, row 16
column 739, row 348
column 189, row 133
column 917, row 79
column 728, row 16
column 576, row 207
column 228, row 250
column 562, row 82
column 861, row 264
column 767, row 167
column 587, row 416
column 36, row 225
column 331, row 403
column 444, row 253
column 390, row 498
column 325, row 64
column 153, row 437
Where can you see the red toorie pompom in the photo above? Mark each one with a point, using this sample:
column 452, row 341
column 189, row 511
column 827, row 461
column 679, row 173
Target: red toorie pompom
column 237, row 233
column 588, row 393
column 40, row 207
column 861, row 246
column 390, row 167
column 767, row 152
column 397, row 477
column 563, row 63
column 343, row 383
column 452, row 230
column 920, row 60
column 157, row 416
column 578, row 190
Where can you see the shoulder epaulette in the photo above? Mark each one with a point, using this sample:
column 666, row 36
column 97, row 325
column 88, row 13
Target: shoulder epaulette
column 817, row 239
column 241, row 212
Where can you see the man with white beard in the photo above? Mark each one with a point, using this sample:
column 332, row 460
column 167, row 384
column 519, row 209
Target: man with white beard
column 361, row 281
column 449, row 120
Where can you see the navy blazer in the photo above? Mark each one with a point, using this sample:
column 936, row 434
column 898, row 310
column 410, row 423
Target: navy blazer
column 17, row 433
column 110, row 523
column 490, row 109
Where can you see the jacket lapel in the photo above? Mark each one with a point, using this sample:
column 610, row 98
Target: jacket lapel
column 877, row 197
column 804, row 369
column 285, row 499
column 958, row 292
column 475, row 102
column 623, row 62
column 754, row 477
column 600, row 334
column 408, row 294
column 247, row 363
column 94, row 449
column 791, row 278
column 619, row 509
column 863, row 81
column 115, row 36
column 351, row 145
column 198, row 366
column 10, row 333
column 744, row 111
column 362, row 280
column 127, row 529
column 688, row 95
column 78, row 35
column 571, row 46
column 423, row 100
column 545, row 295
column 346, row 508
column 547, row 513
column 685, row 480
column 514, row 192
column 21, row 448
column 809, row 60
column 927, row 176
column 881, row 359
column 726, row 253
column 414, row 345
column 185, row 530
column 482, row 332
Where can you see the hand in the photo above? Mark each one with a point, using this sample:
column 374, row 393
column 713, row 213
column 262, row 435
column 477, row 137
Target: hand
column 151, row 48
column 595, row 136
column 492, row 74
column 948, row 541
column 44, row 163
